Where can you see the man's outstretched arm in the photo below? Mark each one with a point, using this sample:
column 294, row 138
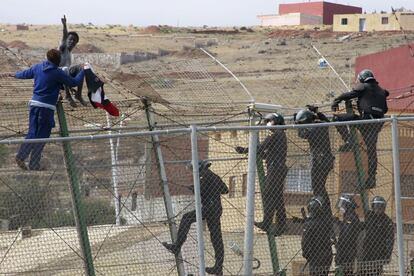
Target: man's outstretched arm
column 65, row 32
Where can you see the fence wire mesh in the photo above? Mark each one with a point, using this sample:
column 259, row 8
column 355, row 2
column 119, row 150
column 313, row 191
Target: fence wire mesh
column 127, row 223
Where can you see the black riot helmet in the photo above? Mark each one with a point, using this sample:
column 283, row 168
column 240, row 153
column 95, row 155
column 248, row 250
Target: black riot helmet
column 304, row 116
column 202, row 165
column 346, row 202
column 378, row 204
column 365, row 75
column 274, row 119
column 315, row 206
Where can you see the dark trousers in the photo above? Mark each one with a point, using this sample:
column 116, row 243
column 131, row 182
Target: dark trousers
column 319, row 173
column 369, row 135
column 41, row 122
column 273, row 200
column 212, row 217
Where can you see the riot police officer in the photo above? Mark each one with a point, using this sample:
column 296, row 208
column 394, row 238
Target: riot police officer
column 316, row 238
column 372, row 104
column 379, row 239
column 274, row 150
column 211, row 188
column 349, row 229
column 320, row 149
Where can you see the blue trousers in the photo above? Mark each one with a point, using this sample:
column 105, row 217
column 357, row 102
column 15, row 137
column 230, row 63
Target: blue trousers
column 41, row 122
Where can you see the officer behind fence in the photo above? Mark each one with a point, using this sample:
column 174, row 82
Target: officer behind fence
column 274, row 150
column 320, row 148
column 211, row 187
column 349, row 229
column 372, row 104
column 316, row 238
column 379, row 239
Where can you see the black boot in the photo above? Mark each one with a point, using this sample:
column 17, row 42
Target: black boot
column 171, row 247
column 262, row 225
column 215, row 270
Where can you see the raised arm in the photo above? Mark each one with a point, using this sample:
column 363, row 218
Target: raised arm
column 65, row 32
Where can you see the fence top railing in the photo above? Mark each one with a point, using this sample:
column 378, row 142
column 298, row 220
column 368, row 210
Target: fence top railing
column 203, row 129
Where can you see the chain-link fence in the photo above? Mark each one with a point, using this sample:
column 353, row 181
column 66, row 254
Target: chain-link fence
column 307, row 203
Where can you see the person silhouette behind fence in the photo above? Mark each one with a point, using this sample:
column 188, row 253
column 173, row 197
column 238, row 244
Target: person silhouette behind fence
column 379, row 239
column 69, row 42
column 372, row 104
column 274, row 150
column 316, row 238
column 349, row 230
column 211, row 188
column 48, row 79
column 320, row 149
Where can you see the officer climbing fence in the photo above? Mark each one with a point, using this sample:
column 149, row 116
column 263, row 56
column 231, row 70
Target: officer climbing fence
column 99, row 206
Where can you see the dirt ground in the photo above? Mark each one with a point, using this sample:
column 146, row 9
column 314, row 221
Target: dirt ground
column 273, row 63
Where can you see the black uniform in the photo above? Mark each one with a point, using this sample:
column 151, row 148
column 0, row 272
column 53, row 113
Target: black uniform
column 322, row 158
column 211, row 187
column 372, row 104
column 378, row 243
column 317, row 244
column 346, row 246
column 274, row 150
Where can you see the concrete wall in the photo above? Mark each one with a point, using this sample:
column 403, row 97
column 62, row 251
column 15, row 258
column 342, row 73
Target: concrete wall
column 373, row 22
column 113, row 60
column 291, row 19
column 330, row 9
column 101, row 59
column 323, row 9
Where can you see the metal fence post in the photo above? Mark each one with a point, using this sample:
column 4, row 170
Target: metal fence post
column 114, row 171
column 250, row 197
column 166, row 191
column 358, row 162
column 397, row 187
column 197, row 194
column 76, row 195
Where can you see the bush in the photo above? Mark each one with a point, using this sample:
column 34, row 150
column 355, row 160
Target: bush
column 25, row 204
column 97, row 211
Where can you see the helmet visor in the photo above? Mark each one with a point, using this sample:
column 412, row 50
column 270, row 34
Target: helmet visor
column 343, row 202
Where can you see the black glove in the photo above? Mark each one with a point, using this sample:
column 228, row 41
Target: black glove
column 335, row 106
column 312, row 108
column 240, row 150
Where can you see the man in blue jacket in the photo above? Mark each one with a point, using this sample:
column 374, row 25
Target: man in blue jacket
column 48, row 80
